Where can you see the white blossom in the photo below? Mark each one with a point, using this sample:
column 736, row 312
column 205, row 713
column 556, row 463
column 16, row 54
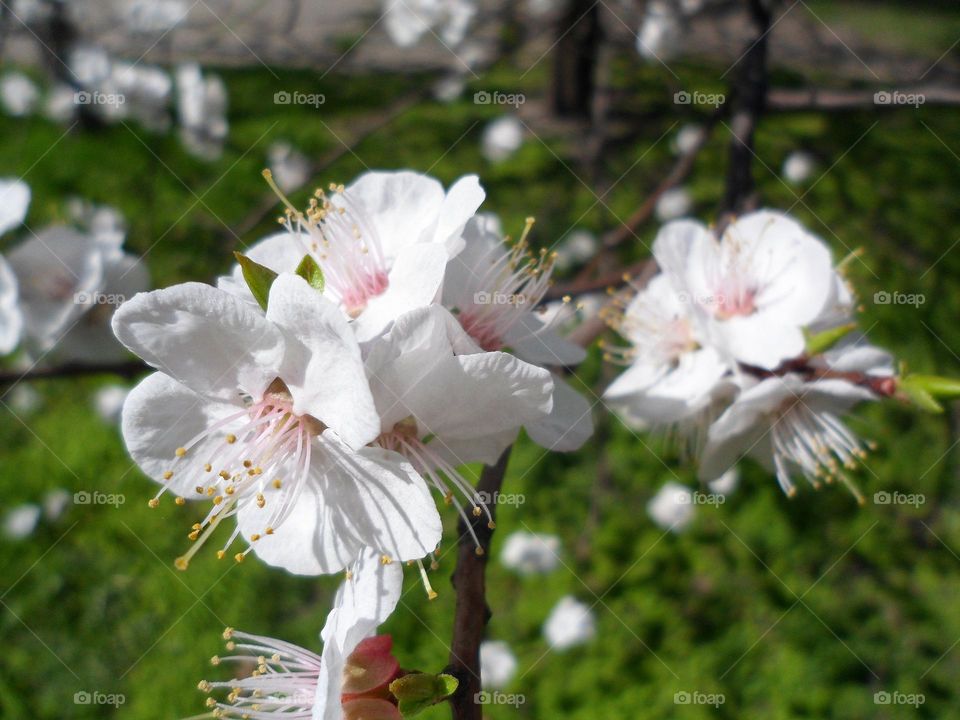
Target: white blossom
column 502, row 138
column 530, row 553
column 672, row 507
column 18, row 94
column 569, row 624
column 20, row 522
column 498, row 664
column 269, row 417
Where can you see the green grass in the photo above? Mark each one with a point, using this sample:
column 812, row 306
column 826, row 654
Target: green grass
column 791, row 608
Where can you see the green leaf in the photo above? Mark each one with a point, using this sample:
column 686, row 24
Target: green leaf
column 918, row 394
column 940, row 387
column 259, row 278
column 416, row 692
column 310, row 271
column 821, row 342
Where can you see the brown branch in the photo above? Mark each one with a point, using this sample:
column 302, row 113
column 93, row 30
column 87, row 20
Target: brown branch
column 586, row 280
column 128, row 369
column 827, row 100
column 472, row 612
column 748, row 99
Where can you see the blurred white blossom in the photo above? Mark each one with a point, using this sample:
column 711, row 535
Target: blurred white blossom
column 502, row 138
column 530, row 553
column 569, row 624
column 498, row 664
column 18, row 94
column 672, row 507
column 20, row 522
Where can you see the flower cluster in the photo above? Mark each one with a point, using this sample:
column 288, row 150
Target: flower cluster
column 743, row 345
column 60, row 286
column 349, row 364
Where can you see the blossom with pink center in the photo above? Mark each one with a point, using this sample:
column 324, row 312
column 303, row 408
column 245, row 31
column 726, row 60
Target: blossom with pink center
column 793, row 424
column 444, row 403
column 752, row 291
column 382, row 242
column 672, row 378
column 268, row 417
column 348, row 681
column 70, row 282
column 494, row 289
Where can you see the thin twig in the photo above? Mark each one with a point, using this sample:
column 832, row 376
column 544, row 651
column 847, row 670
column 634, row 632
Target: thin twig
column 128, row 369
column 828, row 100
column 585, row 280
column 472, row 612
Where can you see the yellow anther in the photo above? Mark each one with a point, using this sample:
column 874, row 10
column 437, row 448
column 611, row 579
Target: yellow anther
column 180, row 452
column 231, row 438
column 153, row 502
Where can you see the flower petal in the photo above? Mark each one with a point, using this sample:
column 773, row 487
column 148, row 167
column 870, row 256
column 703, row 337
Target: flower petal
column 14, row 202
column 209, row 340
column 569, row 424
column 11, row 319
column 161, row 415
column 322, row 367
column 415, row 280
column 532, row 341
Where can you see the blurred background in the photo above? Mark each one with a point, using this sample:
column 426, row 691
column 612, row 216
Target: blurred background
column 141, row 128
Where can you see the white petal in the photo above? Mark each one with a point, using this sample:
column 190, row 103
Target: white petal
column 569, row 424
column 373, row 498
column 474, row 395
column 14, row 201
column 401, row 207
column 322, row 366
column 673, row 246
column 56, row 269
column 763, row 339
column 415, row 280
column 462, row 200
column 11, row 319
column 161, row 415
column 207, row 339
column 531, row 342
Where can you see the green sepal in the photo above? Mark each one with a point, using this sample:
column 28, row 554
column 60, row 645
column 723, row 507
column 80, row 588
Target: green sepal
column 918, row 394
column 820, row 342
column 935, row 385
column 259, row 278
column 310, row 271
column 416, row 692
